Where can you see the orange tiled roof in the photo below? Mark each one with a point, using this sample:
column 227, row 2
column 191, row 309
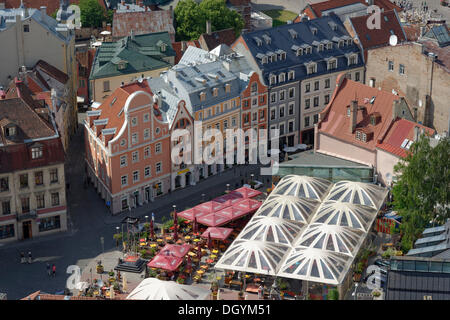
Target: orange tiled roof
column 336, row 123
column 331, row 4
column 400, row 130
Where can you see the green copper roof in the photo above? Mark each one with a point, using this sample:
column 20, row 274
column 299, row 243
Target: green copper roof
column 124, row 56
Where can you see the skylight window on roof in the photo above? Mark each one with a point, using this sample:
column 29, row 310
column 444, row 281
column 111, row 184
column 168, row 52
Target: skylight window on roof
column 267, row 38
column 314, row 31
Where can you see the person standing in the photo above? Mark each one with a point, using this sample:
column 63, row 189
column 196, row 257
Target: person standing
column 260, row 292
column 30, row 258
column 54, row 270
column 48, row 269
column 22, row 257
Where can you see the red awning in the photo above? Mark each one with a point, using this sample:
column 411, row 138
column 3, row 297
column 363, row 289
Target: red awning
column 169, row 263
column 246, row 193
column 229, row 199
column 190, row 214
column 217, row 233
column 175, row 250
column 210, row 206
column 248, row 205
column 214, row 220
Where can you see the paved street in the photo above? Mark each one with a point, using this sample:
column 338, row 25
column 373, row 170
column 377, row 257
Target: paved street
column 89, row 220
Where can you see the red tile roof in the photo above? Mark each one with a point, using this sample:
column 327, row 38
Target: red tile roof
column 400, row 130
column 52, row 71
column 143, row 23
column 371, row 38
column 52, row 5
column 317, row 8
column 177, row 46
column 210, row 41
column 412, row 32
column 336, row 123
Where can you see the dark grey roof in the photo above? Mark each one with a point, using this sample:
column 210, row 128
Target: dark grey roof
column 406, row 285
column 440, row 34
column 280, row 37
column 317, row 159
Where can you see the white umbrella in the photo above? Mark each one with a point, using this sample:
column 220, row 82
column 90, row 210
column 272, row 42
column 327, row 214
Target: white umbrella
column 105, row 33
column 155, row 289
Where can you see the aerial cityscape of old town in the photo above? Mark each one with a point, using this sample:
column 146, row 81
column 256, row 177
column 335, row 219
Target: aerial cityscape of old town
column 224, row 150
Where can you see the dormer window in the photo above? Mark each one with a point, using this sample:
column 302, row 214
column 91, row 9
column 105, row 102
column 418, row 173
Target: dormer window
column 308, row 50
column 10, row 131
column 299, row 52
column 291, row 75
column 258, row 41
column 202, row 96
column 162, row 46
column 215, row 92
column 320, row 48
column 283, row 56
column 267, row 39
column 274, row 57
column 37, row 152
column 293, row 33
column 311, row 67
column 329, row 46
column 353, row 59
column 314, row 31
column 341, row 44
column 281, row 77
column 349, row 42
column 121, row 65
column 227, row 88
column 265, row 60
column 332, row 64
column 375, row 118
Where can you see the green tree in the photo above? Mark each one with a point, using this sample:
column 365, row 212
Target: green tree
column 92, row 13
column 191, row 18
column 421, row 193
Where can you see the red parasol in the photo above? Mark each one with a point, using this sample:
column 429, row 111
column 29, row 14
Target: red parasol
column 190, row 214
column 169, row 263
column 175, row 225
column 214, row 219
column 245, row 192
column 175, row 250
column 217, row 233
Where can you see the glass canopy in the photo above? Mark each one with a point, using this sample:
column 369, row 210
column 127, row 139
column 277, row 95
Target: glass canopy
column 358, row 193
column 288, row 207
column 303, row 186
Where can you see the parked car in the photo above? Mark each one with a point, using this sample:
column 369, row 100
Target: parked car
column 382, row 263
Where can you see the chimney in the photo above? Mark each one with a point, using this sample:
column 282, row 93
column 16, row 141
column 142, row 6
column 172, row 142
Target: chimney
column 353, row 115
column 208, row 27
column 43, row 10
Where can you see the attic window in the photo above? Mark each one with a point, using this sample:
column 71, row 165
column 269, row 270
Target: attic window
column 341, row 43
column 227, row 88
column 215, row 92
column 332, row 64
column 308, row 50
column 267, row 39
column 329, row 46
column 291, row 75
column 36, row 152
column 375, row 119
column 293, row 33
column 10, row 131
column 320, row 48
column 273, row 79
column 314, row 31
column 122, row 65
column 353, row 59
column 281, row 77
column 202, row 96
column 299, row 52
column 258, row 41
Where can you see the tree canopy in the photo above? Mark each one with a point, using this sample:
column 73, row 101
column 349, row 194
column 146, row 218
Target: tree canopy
column 191, row 18
column 421, row 193
column 92, row 13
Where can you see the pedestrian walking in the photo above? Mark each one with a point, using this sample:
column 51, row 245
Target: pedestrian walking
column 30, row 258
column 22, row 257
column 260, row 292
column 54, row 270
column 48, row 269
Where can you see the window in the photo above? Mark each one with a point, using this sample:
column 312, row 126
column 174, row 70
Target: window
column 202, row 96
column 320, row 48
column 200, row 116
column 26, row 28
column 327, row 83
column 6, row 207
column 254, row 101
column 7, row 231
column 316, row 118
column 291, row 126
column 307, row 121
column 272, row 79
column 282, row 95
column 357, row 76
column 55, row 199
column 123, row 161
column 50, row 223
column 147, row 171
column 134, row 121
column 134, row 138
column 40, row 202
column 81, row 83
column 135, row 156
column 39, row 178
column 218, row 126
column 391, row 66
column 225, row 124
column 316, row 85
column 254, row 87
column 358, row 135
column 291, row 75
column 281, row 77
column 272, row 114
column 225, row 106
column 146, row 117
column 25, row 204
column 106, row 86
column 291, row 92
column 124, row 203
column 158, row 167
column 281, row 128
column 312, row 68
column 233, row 121
column 124, row 180
column 273, row 97
column 146, row 152
column 23, row 178
column 308, row 87
column 307, row 103
column 158, row 147
column 281, row 111
column 10, row 132
column 36, row 152
column 291, row 109
column 209, row 113
column 401, row 69
column 308, row 50
column 327, row 99
column 364, row 137
column 227, row 88
column 262, row 99
column 261, row 114
column 146, row 133
column 246, row 118
column 341, row 43
column 215, row 92
column 135, row 176
column 316, row 101
column 353, row 60
column 254, row 116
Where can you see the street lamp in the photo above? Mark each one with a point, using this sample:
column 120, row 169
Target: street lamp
column 146, row 219
column 228, row 187
column 203, row 197
column 354, row 292
column 117, row 240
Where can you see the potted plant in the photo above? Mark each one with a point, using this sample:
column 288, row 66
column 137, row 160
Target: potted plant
column 333, row 294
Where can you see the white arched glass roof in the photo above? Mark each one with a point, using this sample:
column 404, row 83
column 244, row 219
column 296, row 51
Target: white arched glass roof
column 303, row 186
column 316, row 265
column 271, row 229
column 253, row 256
column 358, row 193
column 331, row 238
column 345, row 215
column 288, row 207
